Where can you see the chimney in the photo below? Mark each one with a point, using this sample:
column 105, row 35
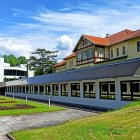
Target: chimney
column 107, row 35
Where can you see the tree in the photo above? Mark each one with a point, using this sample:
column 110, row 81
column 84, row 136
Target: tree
column 14, row 61
column 42, row 61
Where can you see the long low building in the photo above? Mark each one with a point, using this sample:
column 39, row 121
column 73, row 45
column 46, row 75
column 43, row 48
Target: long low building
column 105, row 86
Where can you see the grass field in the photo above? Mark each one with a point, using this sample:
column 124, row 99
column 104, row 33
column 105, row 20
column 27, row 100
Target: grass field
column 122, row 124
column 9, row 106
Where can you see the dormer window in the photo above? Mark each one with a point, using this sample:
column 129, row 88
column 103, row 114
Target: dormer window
column 138, row 46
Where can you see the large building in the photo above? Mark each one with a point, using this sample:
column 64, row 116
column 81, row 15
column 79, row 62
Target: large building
column 8, row 73
column 101, row 72
column 93, row 51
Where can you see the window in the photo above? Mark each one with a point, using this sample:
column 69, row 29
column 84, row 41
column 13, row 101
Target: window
column 55, row 90
column 48, row 89
column 31, row 89
column 89, row 90
column 71, row 64
column 41, row 89
column 107, row 90
column 85, row 56
column 138, row 46
column 111, row 54
column 123, row 50
column 117, row 52
column 36, row 89
column 75, row 90
column 130, row 90
column 64, row 89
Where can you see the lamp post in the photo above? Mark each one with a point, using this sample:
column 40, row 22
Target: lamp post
column 13, row 96
column 49, row 101
column 26, row 98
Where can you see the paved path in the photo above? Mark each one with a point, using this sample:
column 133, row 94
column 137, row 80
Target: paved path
column 13, row 123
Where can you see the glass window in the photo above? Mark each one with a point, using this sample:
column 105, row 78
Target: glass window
column 41, row 89
column 123, row 50
column 130, row 90
column 55, row 90
column 111, row 54
column 90, row 53
column 89, row 90
column 138, row 46
column 75, row 89
column 48, row 89
column 117, row 52
column 107, row 90
column 36, row 89
column 64, row 89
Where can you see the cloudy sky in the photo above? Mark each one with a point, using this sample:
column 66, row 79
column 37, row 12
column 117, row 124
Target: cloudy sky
column 57, row 24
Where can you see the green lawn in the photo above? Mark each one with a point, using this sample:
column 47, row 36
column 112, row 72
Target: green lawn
column 35, row 107
column 122, row 124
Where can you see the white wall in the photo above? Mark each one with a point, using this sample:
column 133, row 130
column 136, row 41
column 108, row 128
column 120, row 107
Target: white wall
column 1, row 69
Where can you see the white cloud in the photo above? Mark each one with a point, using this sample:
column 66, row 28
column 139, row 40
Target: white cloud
column 61, row 29
column 64, row 46
column 64, row 42
column 18, row 47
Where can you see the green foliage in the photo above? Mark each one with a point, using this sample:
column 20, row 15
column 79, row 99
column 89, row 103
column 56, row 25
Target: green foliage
column 14, row 61
column 42, row 61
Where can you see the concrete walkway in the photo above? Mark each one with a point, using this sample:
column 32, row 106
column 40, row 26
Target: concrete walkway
column 13, row 123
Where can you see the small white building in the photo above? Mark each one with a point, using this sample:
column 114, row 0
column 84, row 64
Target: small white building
column 8, row 73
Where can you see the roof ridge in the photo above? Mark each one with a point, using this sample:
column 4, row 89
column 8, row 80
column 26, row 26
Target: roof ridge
column 121, row 32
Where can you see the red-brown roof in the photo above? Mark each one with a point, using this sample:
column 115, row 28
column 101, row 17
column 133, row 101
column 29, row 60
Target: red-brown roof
column 97, row 40
column 70, row 56
column 114, row 38
column 60, row 63
column 119, row 37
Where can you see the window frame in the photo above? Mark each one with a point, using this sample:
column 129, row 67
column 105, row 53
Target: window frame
column 56, row 93
column 123, row 50
column 117, row 52
column 77, row 92
column 89, row 93
column 131, row 94
column 138, row 46
column 64, row 93
column 106, row 95
column 47, row 92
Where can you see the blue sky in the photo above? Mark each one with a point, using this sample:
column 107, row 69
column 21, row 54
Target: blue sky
column 57, row 25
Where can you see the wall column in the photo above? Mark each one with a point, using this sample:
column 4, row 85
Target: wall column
column 117, row 90
column 51, row 89
column 44, row 89
column 25, row 90
column 33, row 88
column 38, row 89
column 69, row 89
column 97, row 90
column 81, row 90
column 59, row 89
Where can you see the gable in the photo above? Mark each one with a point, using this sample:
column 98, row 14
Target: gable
column 82, row 43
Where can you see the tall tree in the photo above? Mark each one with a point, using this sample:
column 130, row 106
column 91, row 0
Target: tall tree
column 42, row 61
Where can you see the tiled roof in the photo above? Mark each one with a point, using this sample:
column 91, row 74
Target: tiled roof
column 60, row 63
column 114, row 38
column 97, row 40
column 119, row 37
column 70, row 56
column 121, row 69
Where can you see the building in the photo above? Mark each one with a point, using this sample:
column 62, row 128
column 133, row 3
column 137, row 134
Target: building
column 93, row 51
column 101, row 72
column 8, row 73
